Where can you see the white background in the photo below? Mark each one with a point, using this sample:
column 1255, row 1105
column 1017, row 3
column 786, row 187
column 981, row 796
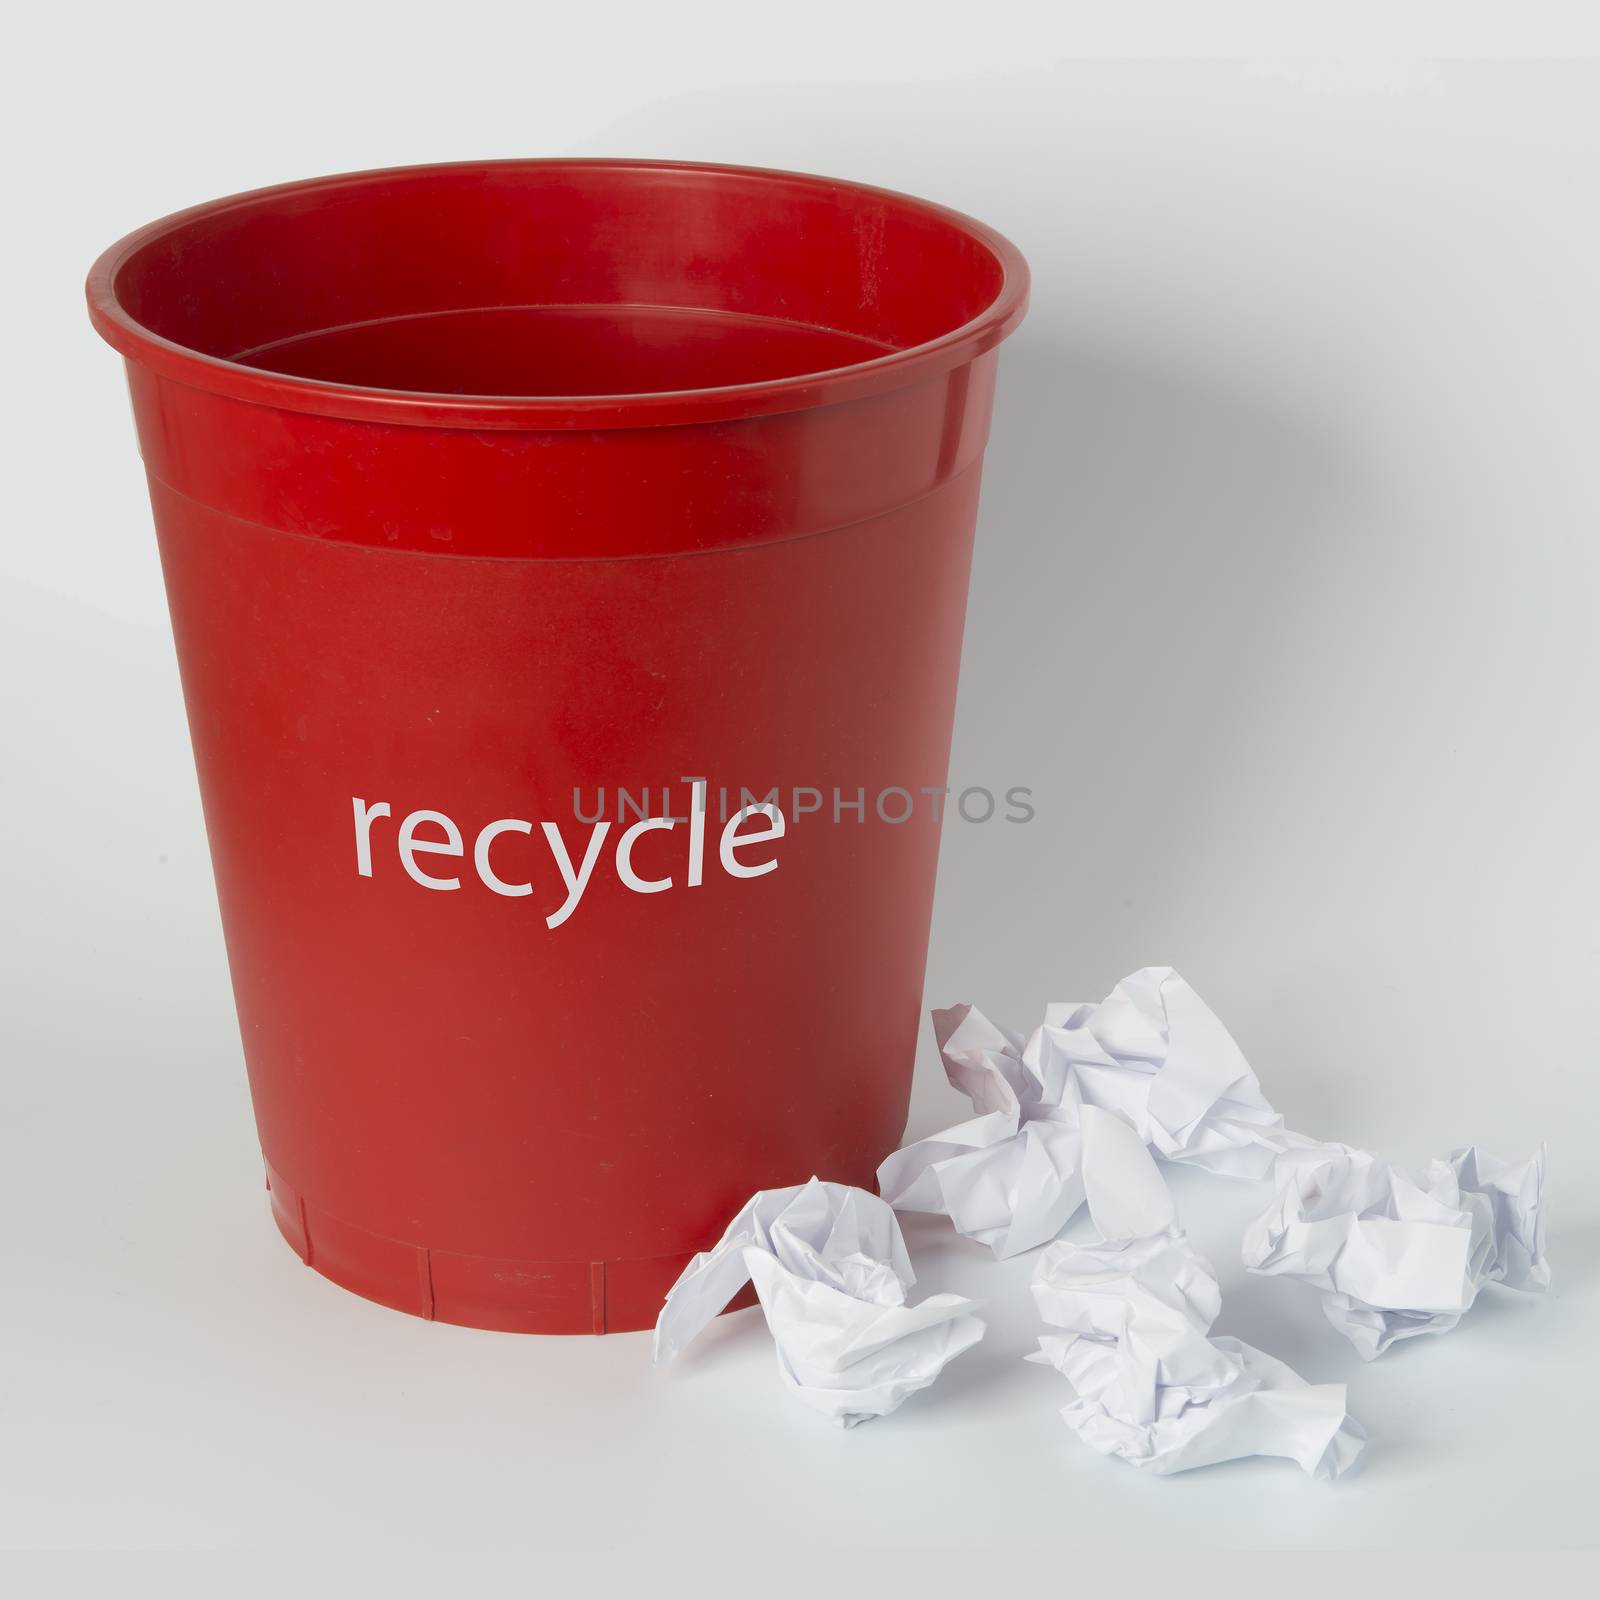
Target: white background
column 1284, row 604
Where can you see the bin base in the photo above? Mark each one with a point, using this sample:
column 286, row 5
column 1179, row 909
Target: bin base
column 478, row 1291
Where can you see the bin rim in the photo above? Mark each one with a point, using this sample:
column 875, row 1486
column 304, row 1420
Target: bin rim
column 353, row 402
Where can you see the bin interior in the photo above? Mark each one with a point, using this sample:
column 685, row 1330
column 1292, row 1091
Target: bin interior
column 554, row 279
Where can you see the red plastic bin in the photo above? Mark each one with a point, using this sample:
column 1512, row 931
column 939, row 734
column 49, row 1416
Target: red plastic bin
column 482, row 490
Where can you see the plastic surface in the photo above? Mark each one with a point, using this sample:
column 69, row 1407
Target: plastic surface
column 482, row 489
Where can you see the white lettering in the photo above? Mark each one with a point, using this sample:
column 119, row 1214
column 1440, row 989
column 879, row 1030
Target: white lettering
column 364, row 815
column 480, row 857
column 625, row 857
column 774, row 830
column 576, row 882
column 411, row 845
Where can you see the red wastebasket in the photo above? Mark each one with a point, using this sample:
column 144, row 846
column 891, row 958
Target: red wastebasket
column 522, row 524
